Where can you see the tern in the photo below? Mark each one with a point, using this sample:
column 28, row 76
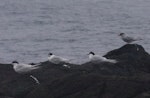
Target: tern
column 128, row 39
column 25, row 69
column 56, row 59
column 98, row 58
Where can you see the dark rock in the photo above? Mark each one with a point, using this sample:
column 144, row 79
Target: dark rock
column 41, row 91
column 5, row 97
column 18, row 86
column 92, row 86
column 143, row 95
column 128, row 78
column 131, row 56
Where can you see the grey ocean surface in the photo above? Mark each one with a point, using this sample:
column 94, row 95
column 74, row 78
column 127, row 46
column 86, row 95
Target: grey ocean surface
column 30, row 29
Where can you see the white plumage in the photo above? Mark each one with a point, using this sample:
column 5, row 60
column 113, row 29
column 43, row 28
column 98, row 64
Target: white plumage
column 128, row 39
column 98, row 58
column 25, row 69
column 67, row 66
column 56, row 59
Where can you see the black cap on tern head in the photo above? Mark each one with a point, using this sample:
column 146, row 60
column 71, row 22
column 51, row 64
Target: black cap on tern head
column 32, row 64
column 15, row 62
column 92, row 53
column 50, row 54
column 121, row 34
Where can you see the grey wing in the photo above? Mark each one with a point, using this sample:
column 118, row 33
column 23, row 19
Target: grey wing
column 96, row 57
column 129, row 39
column 56, row 60
column 27, row 68
column 112, row 60
column 65, row 60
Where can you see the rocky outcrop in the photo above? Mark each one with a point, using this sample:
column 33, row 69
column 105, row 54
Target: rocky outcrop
column 128, row 78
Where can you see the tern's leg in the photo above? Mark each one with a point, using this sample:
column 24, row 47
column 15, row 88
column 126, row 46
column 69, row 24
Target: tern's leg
column 34, row 78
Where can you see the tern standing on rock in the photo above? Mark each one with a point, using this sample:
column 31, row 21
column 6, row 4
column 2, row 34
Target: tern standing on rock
column 128, row 39
column 98, row 58
column 25, row 69
column 56, row 59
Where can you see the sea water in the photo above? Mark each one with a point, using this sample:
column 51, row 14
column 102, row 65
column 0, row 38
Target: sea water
column 30, row 29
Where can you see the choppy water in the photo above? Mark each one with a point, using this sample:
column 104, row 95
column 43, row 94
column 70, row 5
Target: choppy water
column 30, row 29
